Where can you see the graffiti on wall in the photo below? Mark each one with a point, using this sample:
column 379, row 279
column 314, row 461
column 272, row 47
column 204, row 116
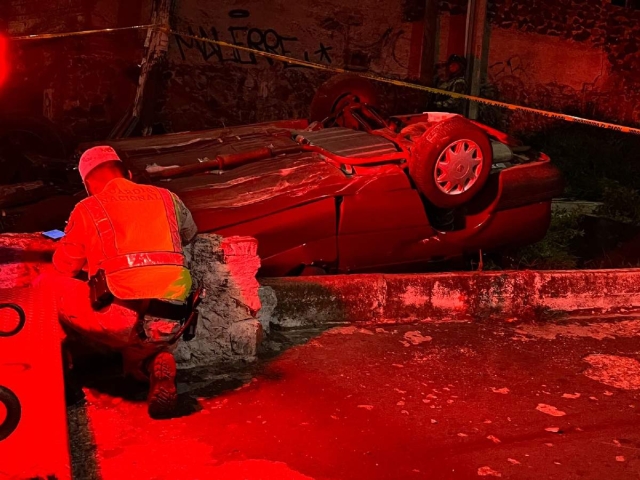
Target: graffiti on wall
column 265, row 40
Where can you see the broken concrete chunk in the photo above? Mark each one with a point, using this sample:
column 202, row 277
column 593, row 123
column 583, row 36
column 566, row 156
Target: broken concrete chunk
column 228, row 328
column 488, row 472
column 503, row 391
column 416, row 338
column 366, row 407
column 550, row 410
column 572, row 396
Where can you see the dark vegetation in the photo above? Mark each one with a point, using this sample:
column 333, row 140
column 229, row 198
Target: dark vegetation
column 600, row 166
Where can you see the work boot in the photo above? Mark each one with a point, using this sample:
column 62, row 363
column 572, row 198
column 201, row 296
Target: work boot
column 163, row 394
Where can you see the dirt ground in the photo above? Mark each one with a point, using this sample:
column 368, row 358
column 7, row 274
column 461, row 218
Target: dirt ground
column 428, row 401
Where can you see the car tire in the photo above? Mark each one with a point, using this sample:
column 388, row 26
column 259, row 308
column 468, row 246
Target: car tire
column 13, row 412
column 327, row 99
column 450, row 162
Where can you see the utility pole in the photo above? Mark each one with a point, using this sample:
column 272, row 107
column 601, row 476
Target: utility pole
column 428, row 60
column 156, row 46
column 423, row 15
column 476, row 50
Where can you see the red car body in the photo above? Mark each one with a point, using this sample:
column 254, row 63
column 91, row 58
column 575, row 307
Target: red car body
column 341, row 199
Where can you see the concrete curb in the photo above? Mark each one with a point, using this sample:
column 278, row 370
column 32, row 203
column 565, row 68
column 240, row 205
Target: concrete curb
column 451, row 296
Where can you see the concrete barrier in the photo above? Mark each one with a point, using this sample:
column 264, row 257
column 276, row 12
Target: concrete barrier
column 229, row 329
column 512, row 295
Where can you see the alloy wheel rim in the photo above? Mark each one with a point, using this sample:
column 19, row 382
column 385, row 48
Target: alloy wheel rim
column 458, row 167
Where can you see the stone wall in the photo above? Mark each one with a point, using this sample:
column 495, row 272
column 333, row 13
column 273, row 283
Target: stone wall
column 572, row 56
column 568, row 55
column 228, row 330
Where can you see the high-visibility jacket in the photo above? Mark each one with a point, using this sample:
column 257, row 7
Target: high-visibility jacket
column 133, row 233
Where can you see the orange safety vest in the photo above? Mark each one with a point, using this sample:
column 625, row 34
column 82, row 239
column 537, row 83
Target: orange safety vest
column 139, row 245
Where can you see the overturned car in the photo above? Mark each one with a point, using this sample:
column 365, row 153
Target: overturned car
column 352, row 191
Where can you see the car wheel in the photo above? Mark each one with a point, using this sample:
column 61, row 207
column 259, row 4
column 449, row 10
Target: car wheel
column 13, row 412
column 328, row 100
column 450, row 162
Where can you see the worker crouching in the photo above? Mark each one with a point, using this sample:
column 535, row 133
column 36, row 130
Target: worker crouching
column 129, row 238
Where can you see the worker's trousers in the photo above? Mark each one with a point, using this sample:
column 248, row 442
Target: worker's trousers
column 122, row 326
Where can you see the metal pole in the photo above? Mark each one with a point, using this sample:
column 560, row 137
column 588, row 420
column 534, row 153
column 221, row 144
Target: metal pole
column 429, row 42
column 476, row 50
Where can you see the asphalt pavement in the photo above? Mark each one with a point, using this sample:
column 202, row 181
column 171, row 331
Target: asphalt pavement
column 428, row 401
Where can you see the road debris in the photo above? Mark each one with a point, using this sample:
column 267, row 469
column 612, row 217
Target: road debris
column 513, row 461
column 494, row 439
column 614, row 371
column 599, row 331
column 366, row 407
column 350, row 330
column 572, row 396
column 488, row 472
column 552, row 429
column 550, row 410
column 503, row 390
column 620, row 458
column 416, row 338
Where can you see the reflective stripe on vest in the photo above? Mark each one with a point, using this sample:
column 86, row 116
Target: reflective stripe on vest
column 114, row 262
column 123, row 262
column 102, row 222
column 169, row 207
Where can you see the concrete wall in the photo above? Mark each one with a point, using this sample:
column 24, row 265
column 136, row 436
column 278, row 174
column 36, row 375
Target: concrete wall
column 566, row 55
column 570, row 55
column 218, row 86
column 86, row 84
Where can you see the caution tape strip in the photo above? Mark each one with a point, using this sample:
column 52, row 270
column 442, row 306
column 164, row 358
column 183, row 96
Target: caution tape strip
column 367, row 75
column 45, row 36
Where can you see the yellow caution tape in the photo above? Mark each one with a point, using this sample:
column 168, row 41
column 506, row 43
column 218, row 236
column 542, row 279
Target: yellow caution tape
column 45, row 36
column 370, row 76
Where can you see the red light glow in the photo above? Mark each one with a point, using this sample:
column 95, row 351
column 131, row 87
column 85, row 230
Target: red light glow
column 4, row 59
